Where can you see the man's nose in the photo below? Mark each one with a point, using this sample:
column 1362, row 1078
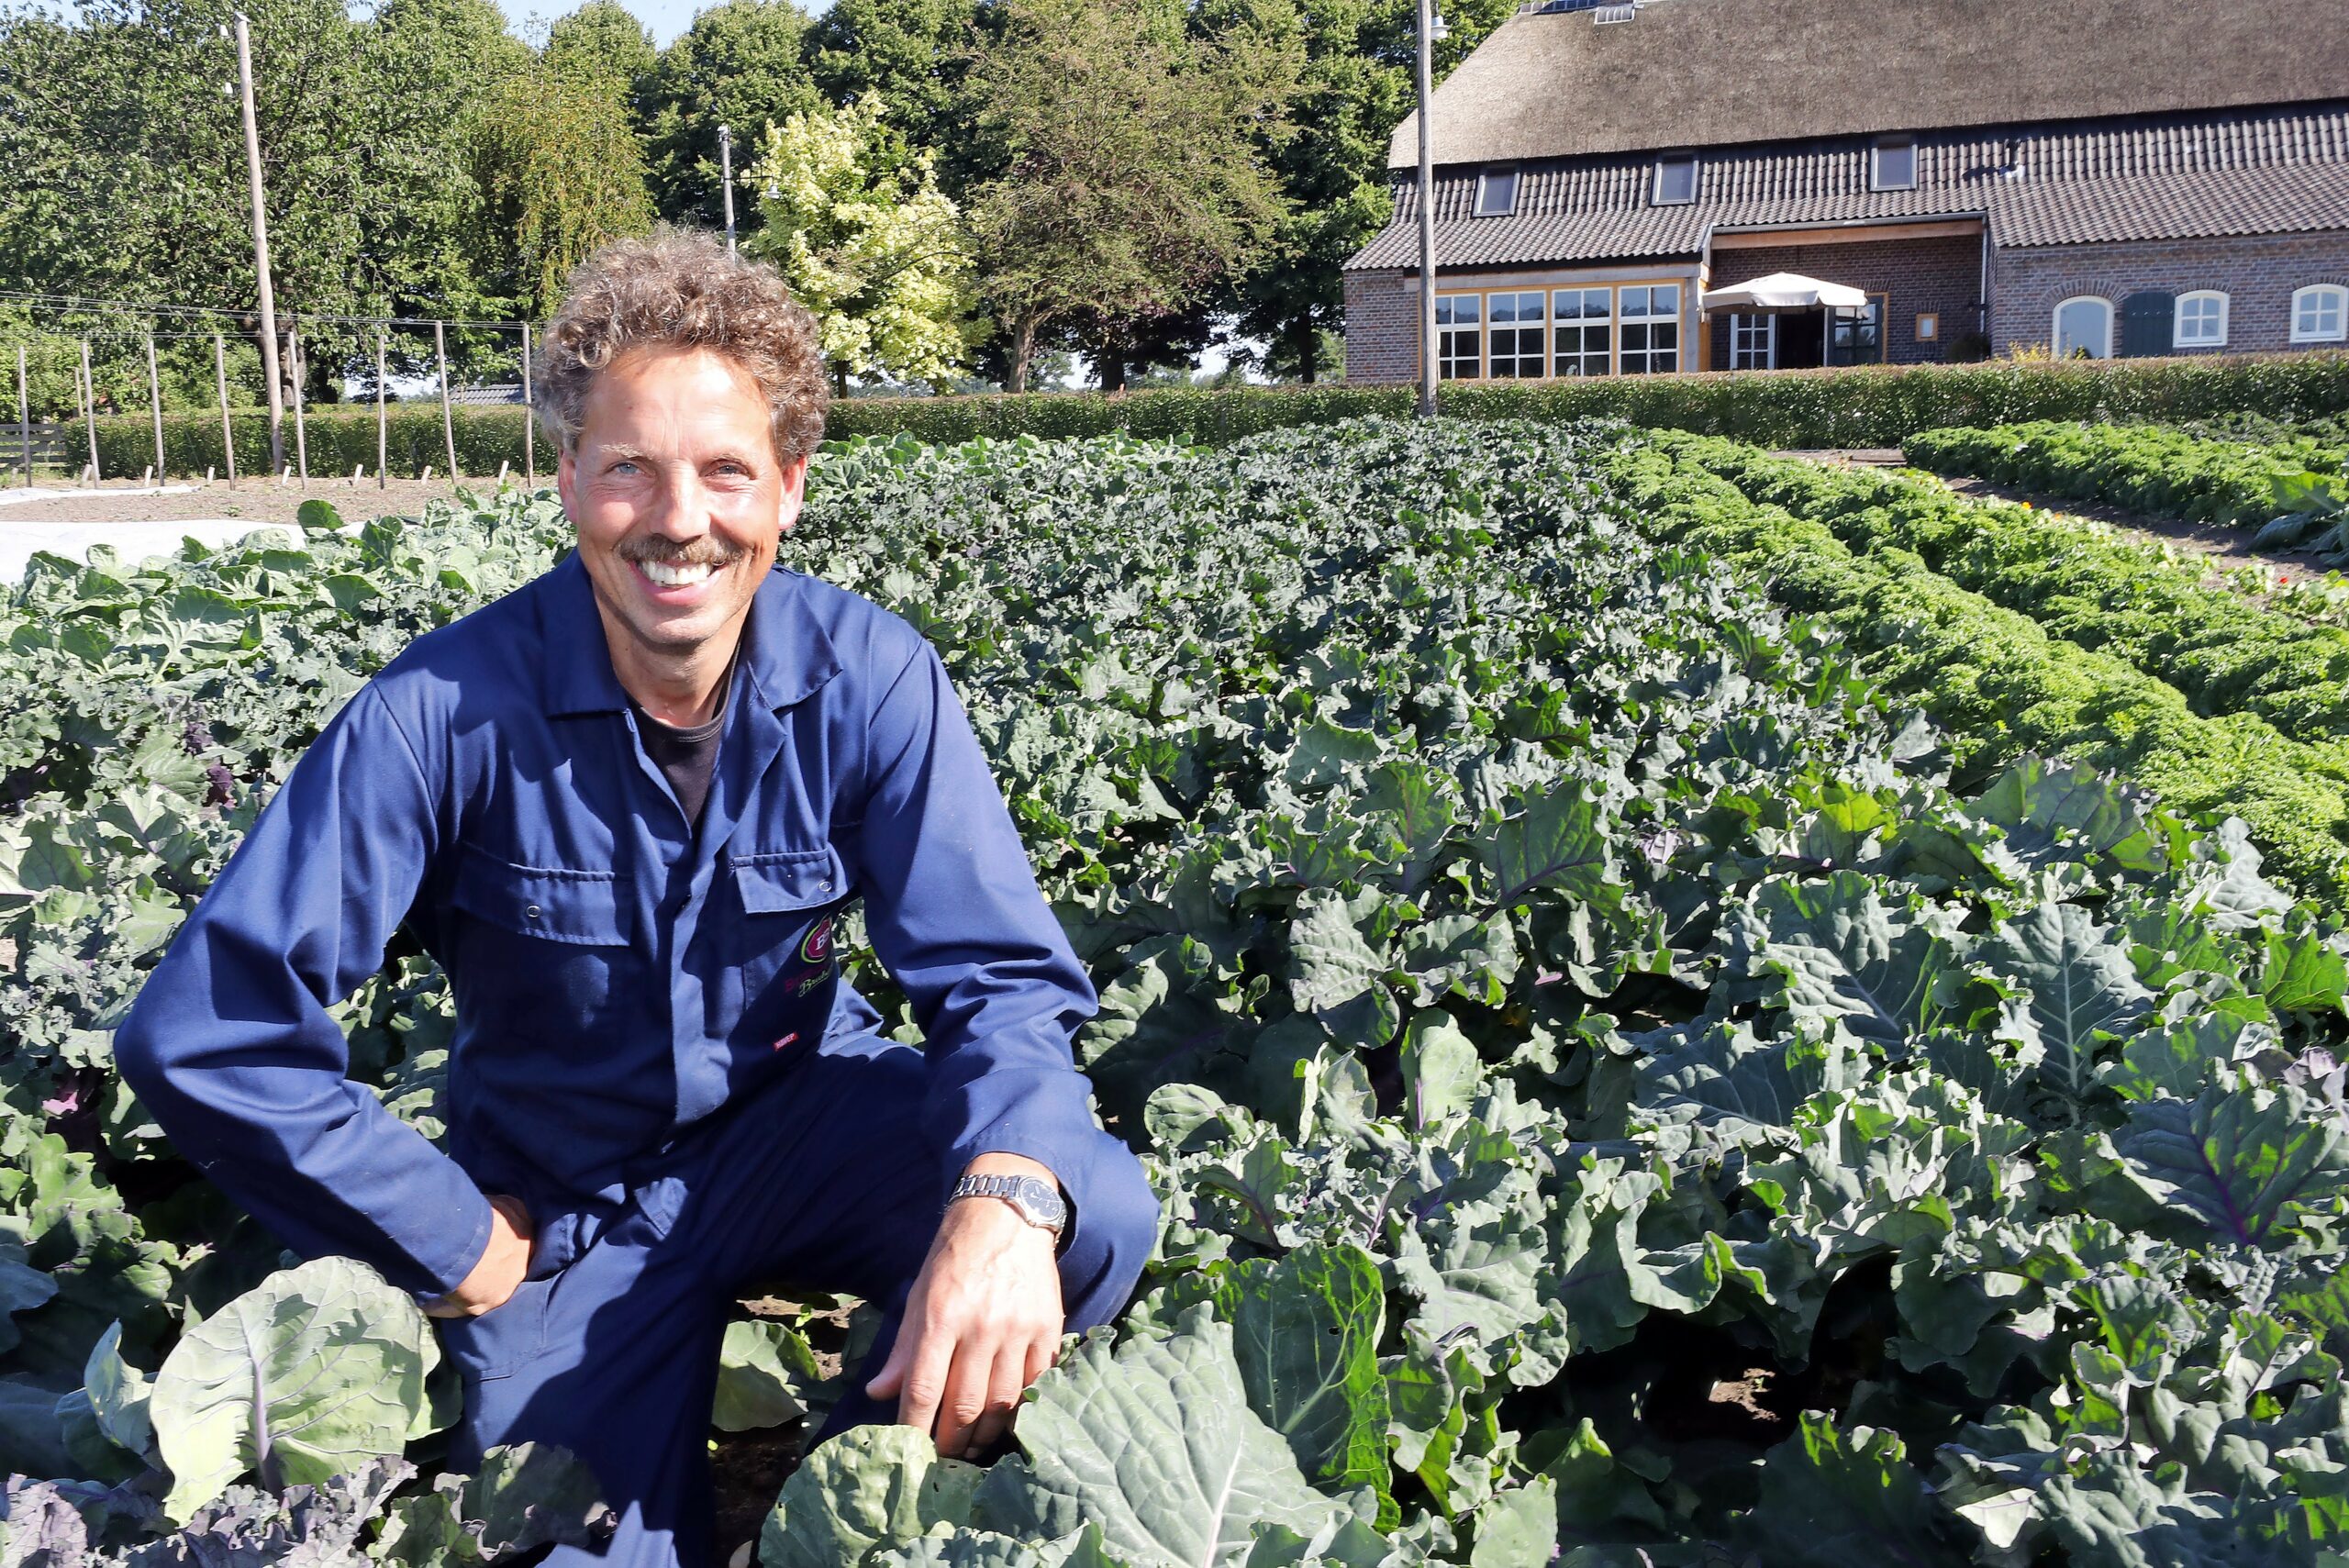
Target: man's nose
column 683, row 513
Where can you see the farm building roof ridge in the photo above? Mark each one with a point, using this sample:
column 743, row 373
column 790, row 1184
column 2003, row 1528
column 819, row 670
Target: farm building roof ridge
column 1720, row 72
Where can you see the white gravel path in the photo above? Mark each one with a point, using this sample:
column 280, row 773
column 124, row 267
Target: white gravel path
column 11, row 498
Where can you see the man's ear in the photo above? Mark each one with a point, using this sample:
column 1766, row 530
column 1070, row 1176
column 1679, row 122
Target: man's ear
column 566, row 474
column 795, row 491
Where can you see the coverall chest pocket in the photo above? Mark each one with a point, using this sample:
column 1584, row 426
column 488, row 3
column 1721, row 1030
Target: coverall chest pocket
column 790, row 903
column 555, row 930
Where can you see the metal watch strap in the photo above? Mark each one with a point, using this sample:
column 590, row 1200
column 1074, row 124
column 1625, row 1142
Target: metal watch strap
column 1010, row 1189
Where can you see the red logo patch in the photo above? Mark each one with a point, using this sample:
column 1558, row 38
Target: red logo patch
column 817, row 947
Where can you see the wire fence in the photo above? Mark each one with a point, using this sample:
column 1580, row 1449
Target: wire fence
column 95, row 357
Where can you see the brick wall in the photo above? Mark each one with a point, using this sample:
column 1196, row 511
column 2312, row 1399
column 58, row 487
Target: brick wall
column 2257, row 273
column 1941, row 275
column 1381, row 328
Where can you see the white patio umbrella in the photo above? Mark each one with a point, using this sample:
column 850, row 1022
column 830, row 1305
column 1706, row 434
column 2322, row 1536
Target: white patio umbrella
column 1784, row 292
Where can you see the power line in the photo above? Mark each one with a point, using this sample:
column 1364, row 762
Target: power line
column 127, row 308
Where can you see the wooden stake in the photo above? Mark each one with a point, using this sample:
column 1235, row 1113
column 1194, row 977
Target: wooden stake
column 25, row 417
column 90, row 409
column 261, row 246
column 529, row 415
column 228, row 433
column 448, row 422
column 155, row 402
column 294, row 369
column 383, row 427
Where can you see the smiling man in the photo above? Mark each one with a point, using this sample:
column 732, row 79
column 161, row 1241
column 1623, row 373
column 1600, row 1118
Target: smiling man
column 626, row 808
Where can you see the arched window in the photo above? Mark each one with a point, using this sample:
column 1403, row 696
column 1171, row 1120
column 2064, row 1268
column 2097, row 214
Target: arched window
column 2084, row 327
column 2201, row 321
column 2321, row 314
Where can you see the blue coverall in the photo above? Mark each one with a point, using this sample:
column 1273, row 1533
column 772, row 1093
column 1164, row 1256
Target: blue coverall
column 654, row 1048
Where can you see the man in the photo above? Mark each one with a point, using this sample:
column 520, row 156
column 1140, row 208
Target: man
column 624, row 808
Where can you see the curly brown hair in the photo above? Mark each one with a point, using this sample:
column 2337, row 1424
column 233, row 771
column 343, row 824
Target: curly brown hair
column 675, row 288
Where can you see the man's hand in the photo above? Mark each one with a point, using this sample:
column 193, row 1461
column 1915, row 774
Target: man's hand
column 503, row 1265
column 984, row 1320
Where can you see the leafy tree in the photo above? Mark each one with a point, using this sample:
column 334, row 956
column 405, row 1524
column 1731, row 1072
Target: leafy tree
column 856, row 223
column 127, row 176
column 738, row 65
column 1357, row 87
column 1137, row 179
column 561, row 172
column 602, row 39
column 916, row 55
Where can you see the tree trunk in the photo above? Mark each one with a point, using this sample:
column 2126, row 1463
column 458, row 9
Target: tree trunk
column 1307, row 342
column 1023, row 352
column 839, row 378
column 1111, row 362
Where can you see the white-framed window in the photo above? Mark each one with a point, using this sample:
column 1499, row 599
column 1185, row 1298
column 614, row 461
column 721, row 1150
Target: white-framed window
column 1650, row 325
column 1753, row 342
column 2321, row 314
column 1675, row 178
column 1496, row 191
column 1581, row 326
column 2084, row 327
column 1892, row 164
column 2201, row 321
column 1459, row 337
column 1519, row 351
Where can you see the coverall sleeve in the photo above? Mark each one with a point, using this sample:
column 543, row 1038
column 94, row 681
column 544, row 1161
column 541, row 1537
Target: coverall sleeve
column 230, row 1043
column 953, row 909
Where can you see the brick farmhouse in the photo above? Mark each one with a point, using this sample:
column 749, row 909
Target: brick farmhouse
column 2100, row 176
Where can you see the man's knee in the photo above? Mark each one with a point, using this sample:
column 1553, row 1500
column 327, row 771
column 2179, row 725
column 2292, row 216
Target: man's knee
column 1117, row 1229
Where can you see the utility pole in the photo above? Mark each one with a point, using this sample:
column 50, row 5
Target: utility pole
column 725, row 162
column 1430, row 30
column 260, row 252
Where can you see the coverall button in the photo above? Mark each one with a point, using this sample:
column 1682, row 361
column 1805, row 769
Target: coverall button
column 532, row 912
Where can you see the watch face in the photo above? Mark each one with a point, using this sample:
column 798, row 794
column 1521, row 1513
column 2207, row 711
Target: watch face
column 1041, row 1199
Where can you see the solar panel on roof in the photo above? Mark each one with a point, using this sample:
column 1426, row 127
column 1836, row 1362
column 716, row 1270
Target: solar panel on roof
column 1545, row 8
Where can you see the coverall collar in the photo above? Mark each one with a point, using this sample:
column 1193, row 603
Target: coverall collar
column 785, row 652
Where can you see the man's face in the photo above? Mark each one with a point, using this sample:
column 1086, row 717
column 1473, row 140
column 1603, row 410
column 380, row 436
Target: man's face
column 678, row 496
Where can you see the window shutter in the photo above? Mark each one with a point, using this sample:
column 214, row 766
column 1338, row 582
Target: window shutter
column 2145, row 319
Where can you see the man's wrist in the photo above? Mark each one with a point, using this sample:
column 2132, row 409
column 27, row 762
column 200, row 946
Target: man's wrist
column 995, row 1176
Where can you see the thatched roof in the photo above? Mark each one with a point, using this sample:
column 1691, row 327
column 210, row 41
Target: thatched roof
column 1716, row 73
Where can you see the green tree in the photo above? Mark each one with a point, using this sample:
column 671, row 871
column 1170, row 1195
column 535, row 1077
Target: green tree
column 855, row 222
column 127, row 176
column 560, row 171
column 602, row 39
column 1357, row 87
column 916, row 55
column 738, row 65
column 1137, row 178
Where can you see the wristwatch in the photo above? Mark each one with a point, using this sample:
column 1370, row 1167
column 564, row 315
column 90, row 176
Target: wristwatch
column 1039, row 1202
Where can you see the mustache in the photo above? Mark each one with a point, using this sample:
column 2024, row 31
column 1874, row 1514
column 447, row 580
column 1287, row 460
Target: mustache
column 651, row 550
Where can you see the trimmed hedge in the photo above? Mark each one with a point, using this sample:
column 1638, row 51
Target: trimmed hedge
column 1866, row 406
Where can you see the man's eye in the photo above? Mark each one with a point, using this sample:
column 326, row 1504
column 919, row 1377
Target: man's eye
column 623, row 466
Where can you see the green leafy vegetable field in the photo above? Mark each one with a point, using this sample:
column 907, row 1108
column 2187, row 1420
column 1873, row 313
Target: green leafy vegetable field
column 1615, row 1101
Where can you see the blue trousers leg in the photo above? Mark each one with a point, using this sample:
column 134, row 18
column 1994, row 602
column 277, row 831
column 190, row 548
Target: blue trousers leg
column 826, row 1179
